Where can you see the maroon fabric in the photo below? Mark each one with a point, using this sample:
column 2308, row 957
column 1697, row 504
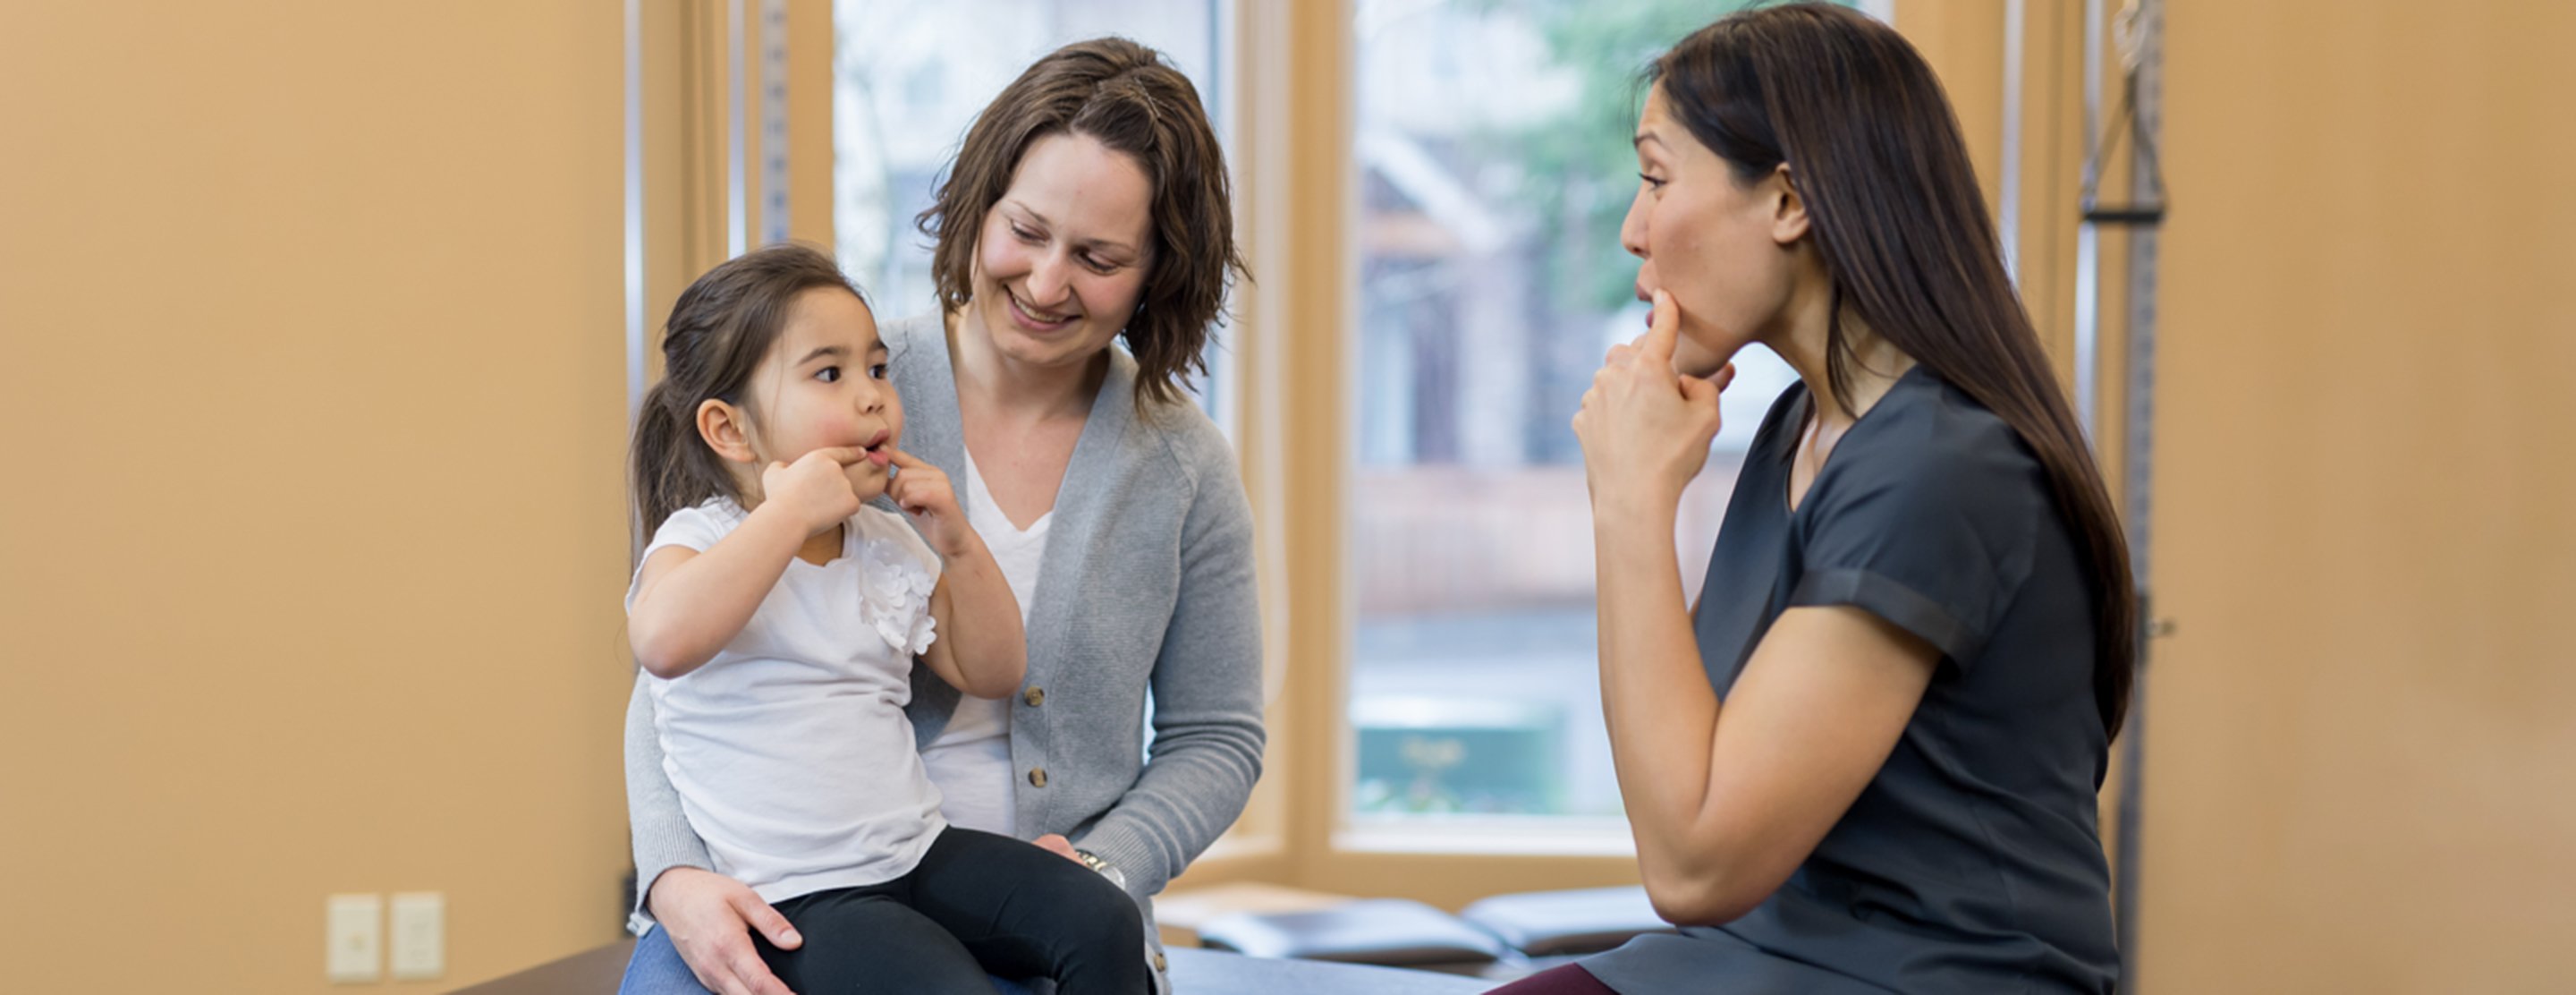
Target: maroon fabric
column 1570, row 979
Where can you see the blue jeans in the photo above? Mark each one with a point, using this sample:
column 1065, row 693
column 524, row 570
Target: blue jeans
column 658, row 970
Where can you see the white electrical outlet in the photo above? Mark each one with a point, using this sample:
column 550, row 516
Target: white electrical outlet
column 354, row 938
column 419, row 935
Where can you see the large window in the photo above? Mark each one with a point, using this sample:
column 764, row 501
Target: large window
column 1494, row 168
column 910, row 77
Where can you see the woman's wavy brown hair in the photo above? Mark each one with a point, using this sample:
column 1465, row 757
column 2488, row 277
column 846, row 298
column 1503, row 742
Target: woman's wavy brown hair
column 1125, row 96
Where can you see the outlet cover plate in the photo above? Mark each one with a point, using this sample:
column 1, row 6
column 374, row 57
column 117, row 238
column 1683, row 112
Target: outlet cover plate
column 419, row 926
column 354, row 938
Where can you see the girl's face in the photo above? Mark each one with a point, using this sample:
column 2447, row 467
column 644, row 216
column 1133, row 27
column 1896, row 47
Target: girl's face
column 823, row 385
column 1062, row 259
column 1728, row 251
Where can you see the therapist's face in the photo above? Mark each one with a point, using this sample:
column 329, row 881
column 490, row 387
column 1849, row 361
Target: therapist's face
column 1725, row 249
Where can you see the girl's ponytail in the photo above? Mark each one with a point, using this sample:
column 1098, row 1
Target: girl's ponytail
column 660, row 465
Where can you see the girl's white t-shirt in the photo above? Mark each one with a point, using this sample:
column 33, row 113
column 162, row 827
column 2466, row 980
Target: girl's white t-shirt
column 971, row 759
column 790, row 750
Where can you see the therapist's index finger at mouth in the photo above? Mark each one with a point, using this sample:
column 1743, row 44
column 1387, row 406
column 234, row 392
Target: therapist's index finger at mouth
column 1663, row 328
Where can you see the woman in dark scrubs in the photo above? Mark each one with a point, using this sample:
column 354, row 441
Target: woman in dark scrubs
column 1868, row 760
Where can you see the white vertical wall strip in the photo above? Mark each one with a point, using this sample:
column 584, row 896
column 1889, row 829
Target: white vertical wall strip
column 2016, row 17
column 738, row 204
column 1224, row 397
column 2088, row 246
column 1268, row 86
column 774, row 191
column 635, row 338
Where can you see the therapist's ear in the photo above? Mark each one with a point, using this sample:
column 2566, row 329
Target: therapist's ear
column 727, row 430
column 1788, row 209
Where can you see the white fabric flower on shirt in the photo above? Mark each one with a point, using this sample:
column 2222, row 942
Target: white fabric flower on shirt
column 894, row 596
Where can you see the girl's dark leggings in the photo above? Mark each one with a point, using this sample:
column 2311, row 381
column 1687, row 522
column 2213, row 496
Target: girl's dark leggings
column 977, row 903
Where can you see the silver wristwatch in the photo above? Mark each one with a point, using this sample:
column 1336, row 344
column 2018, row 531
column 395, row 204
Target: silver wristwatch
column 1106, row 869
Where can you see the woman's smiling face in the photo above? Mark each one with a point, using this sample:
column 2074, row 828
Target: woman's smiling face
column 1062, row 259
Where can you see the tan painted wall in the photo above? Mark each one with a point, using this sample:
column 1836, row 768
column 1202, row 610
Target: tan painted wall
column 1964, row 41
column 2360, row 731
column 2365, row 731
column 310, row 321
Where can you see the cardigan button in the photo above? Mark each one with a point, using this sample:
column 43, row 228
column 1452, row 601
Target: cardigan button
column 1159, row 963
column 1037, row 777
column 1035, row 696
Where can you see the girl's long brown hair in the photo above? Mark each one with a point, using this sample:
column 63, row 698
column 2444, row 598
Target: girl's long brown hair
column 1873, row 148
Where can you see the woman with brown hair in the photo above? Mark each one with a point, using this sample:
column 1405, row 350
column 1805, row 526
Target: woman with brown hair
column 1089, row 205
column 1867, row 761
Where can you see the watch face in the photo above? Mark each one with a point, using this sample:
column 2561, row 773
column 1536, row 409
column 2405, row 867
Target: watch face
column 1106, row 869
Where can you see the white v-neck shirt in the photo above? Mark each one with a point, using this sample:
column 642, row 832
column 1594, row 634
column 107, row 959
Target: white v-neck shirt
column 971, row 759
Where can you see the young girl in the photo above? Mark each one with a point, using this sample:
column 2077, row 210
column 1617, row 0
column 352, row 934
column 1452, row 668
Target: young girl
column 778, row 617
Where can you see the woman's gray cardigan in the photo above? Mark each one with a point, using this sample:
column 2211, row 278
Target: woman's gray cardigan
column 1147, row 583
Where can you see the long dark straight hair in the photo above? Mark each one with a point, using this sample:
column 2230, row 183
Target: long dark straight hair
column 1874, row 149
column 720, row 329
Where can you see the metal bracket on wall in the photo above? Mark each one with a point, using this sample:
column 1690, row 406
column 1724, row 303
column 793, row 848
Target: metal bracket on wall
column 767, row 221
column 2139, row 35
column 2147, row 203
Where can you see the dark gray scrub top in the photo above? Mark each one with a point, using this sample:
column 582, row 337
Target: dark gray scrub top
column 1971, row 862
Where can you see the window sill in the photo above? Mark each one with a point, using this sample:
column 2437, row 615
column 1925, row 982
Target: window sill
column 1489, row 836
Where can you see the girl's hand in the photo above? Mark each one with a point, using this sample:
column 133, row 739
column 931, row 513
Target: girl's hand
column 1645, row 429
column 924, row 493
column 711, row 917
column 815, row 489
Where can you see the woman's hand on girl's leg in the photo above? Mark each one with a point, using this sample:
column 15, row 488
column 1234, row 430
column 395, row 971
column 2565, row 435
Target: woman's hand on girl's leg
column 710, row 918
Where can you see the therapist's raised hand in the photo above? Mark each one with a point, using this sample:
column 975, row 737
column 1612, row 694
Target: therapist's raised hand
column 1646, row 429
